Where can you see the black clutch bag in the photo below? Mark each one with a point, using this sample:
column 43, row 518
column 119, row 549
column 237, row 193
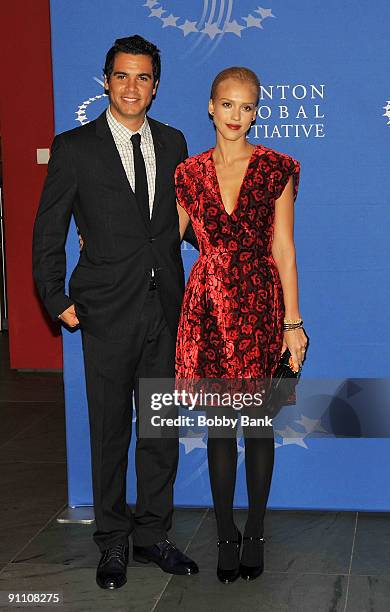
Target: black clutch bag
column 282, row 386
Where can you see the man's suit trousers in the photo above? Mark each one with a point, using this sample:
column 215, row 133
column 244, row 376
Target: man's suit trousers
column 112, row 370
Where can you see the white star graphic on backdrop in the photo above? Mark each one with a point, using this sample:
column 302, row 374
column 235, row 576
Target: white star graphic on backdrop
column 212, row 30
column 81, row 116
column 188, row 27
column 311, row 425
column 219, row 28
column 192, row 440
column 234, row 27
column 252, row 22
column 387, row 111
column 288, row 437
column 157, row 12
column 264, row 13
column 169, row 21
column 151, row 3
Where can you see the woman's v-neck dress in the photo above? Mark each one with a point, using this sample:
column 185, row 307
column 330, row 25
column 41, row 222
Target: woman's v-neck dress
column 231, row 323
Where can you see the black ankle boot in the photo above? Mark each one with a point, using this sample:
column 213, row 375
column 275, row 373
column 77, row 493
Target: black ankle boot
column 253, row 547
column 230, row 575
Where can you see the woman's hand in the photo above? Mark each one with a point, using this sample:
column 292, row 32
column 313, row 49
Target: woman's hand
column 296, row 341
column 81, row 242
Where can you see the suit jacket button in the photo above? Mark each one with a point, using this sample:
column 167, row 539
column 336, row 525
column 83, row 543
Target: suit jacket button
column 151, row 239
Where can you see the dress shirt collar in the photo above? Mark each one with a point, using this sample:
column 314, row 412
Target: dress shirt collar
column 121, row 133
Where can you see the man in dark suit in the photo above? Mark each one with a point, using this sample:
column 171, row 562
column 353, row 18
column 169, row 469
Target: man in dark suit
column 116, row 176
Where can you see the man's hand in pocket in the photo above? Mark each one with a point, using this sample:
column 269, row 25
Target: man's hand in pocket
column 69, row 317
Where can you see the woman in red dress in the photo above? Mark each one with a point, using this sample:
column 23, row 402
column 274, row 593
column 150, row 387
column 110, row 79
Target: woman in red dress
column 240, row 309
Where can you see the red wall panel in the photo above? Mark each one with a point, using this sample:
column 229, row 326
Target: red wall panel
column 26, row 118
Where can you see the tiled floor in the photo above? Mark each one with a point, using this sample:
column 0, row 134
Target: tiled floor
column 315, row 561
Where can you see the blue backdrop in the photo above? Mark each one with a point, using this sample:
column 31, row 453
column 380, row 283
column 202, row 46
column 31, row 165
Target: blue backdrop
column 325, row 101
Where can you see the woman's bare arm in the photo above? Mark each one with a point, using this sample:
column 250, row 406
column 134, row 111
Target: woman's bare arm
column 183, row 219
column 283, row 252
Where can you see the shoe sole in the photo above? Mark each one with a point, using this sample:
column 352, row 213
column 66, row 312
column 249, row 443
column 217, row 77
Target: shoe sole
column 144, row 560
column 140, row 559
column 110, row 588
column 228, row 581
column 250, row 578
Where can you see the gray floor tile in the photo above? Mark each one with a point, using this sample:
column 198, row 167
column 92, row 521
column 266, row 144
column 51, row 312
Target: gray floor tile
column 80, row 591
column 30, row 498
column 272, row 592
column 369, row 594
column 295, row 541
column 72, row 544
column 300, row 541
column 203, row 548
column 17, row 416
column 44, row 440
column 27, row 483
column 62, row 544
column 33, row 388
column 186, row 524
column 372, row 544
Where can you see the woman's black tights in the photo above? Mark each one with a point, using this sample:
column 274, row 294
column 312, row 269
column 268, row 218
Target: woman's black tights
column 222, row 461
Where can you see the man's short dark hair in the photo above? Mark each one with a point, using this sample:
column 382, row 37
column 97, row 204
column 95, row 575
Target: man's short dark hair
column 136, row 45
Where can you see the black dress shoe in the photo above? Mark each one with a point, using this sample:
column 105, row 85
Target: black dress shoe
column 167, row 556
column 111, row 571
column 231, row 574
column 253, row 548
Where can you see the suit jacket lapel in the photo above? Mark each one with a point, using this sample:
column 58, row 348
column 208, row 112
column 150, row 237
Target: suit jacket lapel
column 113, row 163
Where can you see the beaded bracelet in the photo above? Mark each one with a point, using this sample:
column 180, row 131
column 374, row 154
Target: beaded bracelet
column 288, row 326
column 292, row 321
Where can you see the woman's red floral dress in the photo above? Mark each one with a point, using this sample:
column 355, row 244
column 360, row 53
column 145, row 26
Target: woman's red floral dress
column 231, row 323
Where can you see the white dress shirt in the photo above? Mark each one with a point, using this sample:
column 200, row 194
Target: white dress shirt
column 122, row 136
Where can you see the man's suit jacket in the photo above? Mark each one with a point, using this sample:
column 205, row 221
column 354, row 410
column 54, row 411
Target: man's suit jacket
column 109, row 285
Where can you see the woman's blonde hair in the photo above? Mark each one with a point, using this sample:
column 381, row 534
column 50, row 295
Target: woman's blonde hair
column 236, row 72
